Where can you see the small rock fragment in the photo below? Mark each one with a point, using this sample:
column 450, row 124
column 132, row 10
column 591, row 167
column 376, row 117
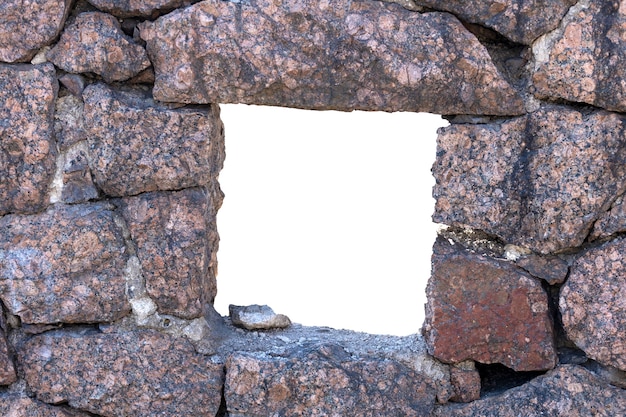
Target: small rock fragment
column 551, row 269
column 257, row 317
column 466, row 382
column 26, row 26
column 593, row 303
column 69, row 123
column 75, row 83
column 78, row 186
column 149, row 9
column 94, row 42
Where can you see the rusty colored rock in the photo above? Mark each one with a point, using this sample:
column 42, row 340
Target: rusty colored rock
column 568, row 391
column 593, row 304
column 551, row 269
column 539, row 181
column 141, row 373
column 149, row 9
column 585, row 59
column 486, row 310
column 316, row 54
column 137, row 145
column 174, row 239
column 16, row 405
column 323, row 382
column 94, row 42
column 466, row 382
column 63, row 265
column 27, row 26
column 27, row 148
column 521, row 21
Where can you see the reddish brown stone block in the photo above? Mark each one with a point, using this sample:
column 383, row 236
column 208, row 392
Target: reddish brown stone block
column 176, row 241
column 486, row 310
column 324, row 382
column 64, row 265
column 16, row 405
column 568, row 391
column 26, row 26
column 142, row 373
column 27, row 148
column 94, row 42
column 585, row 59
column 139, row 8
column 521, row 21
column 137, row 145
column 539, row 181
column 593, row 303
column 315, row 54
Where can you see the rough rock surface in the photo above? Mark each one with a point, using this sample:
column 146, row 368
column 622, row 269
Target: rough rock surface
column 538, row 181
column 63, row 265
column 551, row 269
column 585, row 59
column 172, row 234
column 16, row 405
column 78, row 186
column 466, row 380
column 257, row 317
column 593, row 304
column 139, row 8
column 521, row 21
column 568, row 391
column 7, row 369
column 94, row 42
column 26, row 26
column 321, row 382
column 137, row 145
column 317, row 54
column 69, row 124
column 486, row 310
column 611, row 222
column 142, row 373
column 27, row 149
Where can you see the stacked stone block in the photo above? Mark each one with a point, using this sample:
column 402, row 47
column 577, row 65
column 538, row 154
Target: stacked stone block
column 110, row 150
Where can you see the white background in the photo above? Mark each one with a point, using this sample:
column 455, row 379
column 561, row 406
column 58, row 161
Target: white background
column 327, row 215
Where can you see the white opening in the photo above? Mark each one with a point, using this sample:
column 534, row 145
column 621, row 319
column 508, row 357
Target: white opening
column 327, row 216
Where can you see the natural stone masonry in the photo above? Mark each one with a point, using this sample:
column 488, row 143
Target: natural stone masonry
column 27, row 149
column 521, row 21
column 94, row 42
column 593, row 303
column 543, row 187
column 141, row 373
column 138, row 145
column 568, row 391
column 26, row 26
column 316, row 54
column 486, row 310
column 139, row 8
column 172, row 235
column 261, row 386
column 585, row 59
column 63, row 265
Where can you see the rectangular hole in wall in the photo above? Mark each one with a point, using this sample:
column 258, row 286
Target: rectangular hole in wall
column 327, row 216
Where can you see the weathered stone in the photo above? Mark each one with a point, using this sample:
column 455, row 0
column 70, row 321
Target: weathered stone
column 75, row 83
column 593, row 303
column 611, row 222
column 568, row 391
column 64, row 265
column 139, row 8
column 538, row 181
column 142, row 373
column 466, row 382
column 15, row 405
column 316, row 54
column 172, row 232
column 585, row 59
column 322, row 382
column 521, row 21
column 78, row 186
column 94, row 42
column 551, row 269
column 486, row 310
column 257, row 317
column 26, row 26
column 137, row 145
column 7, row 369
column 69, row 124
column 27, row 148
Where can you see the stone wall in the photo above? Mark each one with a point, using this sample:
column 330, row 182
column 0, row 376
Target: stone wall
column 111, row 147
